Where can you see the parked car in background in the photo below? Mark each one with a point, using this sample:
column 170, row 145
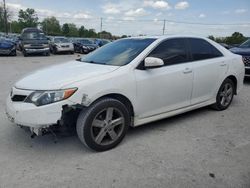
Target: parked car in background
column 7, row 47
column 34, row 41
column 84, row 46
column 244, row 51
column 61, row 44
column 129, row 82
column 101, row 42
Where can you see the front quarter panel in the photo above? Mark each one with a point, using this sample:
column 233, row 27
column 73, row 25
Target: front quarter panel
column 120, row 81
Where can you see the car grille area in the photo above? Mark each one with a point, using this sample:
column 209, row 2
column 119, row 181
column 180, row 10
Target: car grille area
column 246, row 60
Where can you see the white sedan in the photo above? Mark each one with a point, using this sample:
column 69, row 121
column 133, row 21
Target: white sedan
column 128, row 82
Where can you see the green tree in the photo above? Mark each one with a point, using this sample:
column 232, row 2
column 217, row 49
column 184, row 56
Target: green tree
column 73, row 31
column 236, row 38
column 2, row 19
column 51, row 26
column 65, row 29
column 15, row 27
column 105, row 35
column 27, row 18
column 81, row 31
column 211, row 37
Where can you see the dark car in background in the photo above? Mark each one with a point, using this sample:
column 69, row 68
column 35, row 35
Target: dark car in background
column 244, row 51
column 101, row 42
column 84, row 46
column 7, row 47
column 34, row 41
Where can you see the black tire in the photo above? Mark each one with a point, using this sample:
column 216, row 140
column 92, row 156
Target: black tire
column 47, row 53
column 13, row 53
column 85, row 124
column 24, row 53
column 221, row 93
column 54, row 50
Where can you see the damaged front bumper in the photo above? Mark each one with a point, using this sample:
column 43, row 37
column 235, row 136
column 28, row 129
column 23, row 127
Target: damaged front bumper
column 37, row 118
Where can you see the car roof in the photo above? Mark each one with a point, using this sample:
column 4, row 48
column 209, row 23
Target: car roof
column 167, row 37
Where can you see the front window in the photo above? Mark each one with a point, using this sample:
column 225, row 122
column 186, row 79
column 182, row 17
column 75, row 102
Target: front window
column 118, row 53
column 61, row 40
column 245, row 44
column 86, row 41
column 172, row 51
column 34, row 36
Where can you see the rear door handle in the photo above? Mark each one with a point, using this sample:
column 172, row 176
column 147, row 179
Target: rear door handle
column 187, row 71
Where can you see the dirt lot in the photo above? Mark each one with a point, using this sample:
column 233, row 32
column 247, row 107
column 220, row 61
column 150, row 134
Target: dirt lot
column 199, row 149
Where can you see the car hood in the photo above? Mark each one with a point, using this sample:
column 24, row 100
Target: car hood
column 58, row 76
column 241, row 51
column 6, row 44
column 63, row 43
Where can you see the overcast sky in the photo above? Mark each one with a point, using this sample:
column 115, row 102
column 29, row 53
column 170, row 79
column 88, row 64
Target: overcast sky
column 134, row 17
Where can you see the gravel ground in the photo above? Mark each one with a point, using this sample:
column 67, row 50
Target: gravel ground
column 203, row 148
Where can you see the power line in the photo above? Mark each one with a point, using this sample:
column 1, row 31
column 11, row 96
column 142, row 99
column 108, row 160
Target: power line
column 148, row 20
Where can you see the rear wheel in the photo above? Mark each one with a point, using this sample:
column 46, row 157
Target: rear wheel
column 225, row 95
column 103, row 125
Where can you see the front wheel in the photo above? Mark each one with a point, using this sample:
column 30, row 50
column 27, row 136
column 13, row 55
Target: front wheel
column 103, row 125
column 225, row 95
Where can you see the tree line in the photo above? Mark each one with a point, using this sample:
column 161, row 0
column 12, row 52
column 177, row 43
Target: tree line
column 50, row 25
column 235, row 38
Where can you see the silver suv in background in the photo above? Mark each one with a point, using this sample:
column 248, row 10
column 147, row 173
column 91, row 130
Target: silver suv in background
column 61, row 44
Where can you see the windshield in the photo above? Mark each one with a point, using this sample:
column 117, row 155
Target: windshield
column 61, row 40
column 105, row 41
column 245, row 44
column 34, row 36
column 118, row 53
column 86, row 42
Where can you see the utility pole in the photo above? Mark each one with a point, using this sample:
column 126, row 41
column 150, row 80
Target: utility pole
column 164, row 24
column 5, row 18
column 100, row 28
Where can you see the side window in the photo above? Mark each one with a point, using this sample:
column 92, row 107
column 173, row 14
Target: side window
column 172, row 51
column 201, row 49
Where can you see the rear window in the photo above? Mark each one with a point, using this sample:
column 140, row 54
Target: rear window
column 201, row 49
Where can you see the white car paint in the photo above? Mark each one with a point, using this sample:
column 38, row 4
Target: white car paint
column 154, row 93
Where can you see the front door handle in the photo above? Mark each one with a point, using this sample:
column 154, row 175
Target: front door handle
column 187, row 71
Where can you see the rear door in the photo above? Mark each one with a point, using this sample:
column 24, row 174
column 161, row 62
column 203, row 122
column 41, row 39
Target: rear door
column 209, row 68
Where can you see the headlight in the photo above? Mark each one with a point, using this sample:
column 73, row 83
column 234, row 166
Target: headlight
column 40, row 98
column 84, row 47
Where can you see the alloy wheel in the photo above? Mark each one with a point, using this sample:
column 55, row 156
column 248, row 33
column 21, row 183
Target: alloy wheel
column 226, row 94
column 107, row 126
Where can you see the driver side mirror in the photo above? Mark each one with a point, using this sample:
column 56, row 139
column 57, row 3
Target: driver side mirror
column 153, row 62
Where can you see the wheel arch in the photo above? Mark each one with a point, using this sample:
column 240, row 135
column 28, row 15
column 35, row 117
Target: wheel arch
column 234, row 79
column 123, row 99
